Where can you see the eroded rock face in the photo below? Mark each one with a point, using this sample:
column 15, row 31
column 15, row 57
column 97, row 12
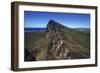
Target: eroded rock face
column 56, row 48
column 59, row 46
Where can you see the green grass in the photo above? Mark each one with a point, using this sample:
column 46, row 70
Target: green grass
column 31, row 38
column 80, row 38
column 35, row 40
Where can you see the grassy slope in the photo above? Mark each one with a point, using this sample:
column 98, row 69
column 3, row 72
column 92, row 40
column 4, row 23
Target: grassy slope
column 31, row 38
column 35, row 40
column 81, row 38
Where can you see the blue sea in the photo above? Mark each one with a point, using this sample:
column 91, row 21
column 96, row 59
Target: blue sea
column 33, row 29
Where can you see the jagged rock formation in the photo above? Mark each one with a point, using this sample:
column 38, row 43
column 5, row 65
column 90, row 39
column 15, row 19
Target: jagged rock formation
column 59, row 46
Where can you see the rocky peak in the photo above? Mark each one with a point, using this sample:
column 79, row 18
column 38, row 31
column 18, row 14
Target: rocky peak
column 59, row 45
column 53, row 22
column 55, row 35
column 53, row 25
column 54, row 29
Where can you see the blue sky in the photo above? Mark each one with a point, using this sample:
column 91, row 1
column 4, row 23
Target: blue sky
column 34, row 19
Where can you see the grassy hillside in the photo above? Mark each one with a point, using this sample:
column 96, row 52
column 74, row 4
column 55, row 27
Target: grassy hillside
column 81, row 38
column 32, row 38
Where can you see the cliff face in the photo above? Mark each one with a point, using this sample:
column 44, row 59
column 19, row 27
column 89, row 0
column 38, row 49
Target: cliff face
column 57, row 42
column 55, row 35
column 59, row 45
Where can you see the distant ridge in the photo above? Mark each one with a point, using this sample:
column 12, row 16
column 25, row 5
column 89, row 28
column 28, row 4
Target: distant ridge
column 82, row 29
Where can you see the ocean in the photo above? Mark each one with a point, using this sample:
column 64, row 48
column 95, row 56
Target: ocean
column 33, row 29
